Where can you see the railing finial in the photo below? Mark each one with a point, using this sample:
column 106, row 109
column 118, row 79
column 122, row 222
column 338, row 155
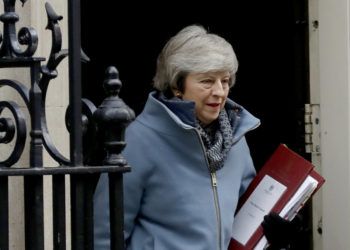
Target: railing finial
column 112, row 117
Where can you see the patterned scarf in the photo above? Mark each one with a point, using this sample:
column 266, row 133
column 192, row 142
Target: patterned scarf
column 218, row 139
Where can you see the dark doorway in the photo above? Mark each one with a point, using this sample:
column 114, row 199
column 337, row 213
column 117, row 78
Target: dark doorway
column 270, row 39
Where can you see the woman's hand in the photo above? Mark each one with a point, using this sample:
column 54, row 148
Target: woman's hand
column 279, row 232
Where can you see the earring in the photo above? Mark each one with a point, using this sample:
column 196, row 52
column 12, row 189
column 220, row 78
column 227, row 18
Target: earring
column 178, row 94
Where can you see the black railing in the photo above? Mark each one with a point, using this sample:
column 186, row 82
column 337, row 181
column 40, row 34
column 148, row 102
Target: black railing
column 104, row 126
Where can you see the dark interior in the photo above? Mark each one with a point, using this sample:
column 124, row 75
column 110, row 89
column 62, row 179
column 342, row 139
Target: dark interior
column 270, row 39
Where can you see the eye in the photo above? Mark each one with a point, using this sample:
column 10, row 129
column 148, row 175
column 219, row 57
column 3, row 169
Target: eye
column 207, row 82
column 225, row 82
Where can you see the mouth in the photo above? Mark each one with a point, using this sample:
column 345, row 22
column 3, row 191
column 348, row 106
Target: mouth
column 214, row 105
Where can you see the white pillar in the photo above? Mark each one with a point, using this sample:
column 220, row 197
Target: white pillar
column 334, row 31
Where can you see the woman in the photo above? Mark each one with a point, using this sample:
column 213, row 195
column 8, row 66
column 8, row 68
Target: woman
column 187, row 149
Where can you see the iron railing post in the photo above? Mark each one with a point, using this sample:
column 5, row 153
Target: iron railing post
column 59, row 211
column 80, row 239
column 4, row 213
column 112, row 117
column 33, row 185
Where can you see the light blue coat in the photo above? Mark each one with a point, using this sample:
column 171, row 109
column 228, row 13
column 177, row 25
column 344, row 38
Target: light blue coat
column 170, row 200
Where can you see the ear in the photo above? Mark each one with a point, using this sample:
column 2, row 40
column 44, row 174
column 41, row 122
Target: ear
column 177, row 93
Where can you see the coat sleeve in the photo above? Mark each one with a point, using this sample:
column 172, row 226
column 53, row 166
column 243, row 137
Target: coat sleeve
column 134, row 183
column 249, row 171
column 101, row 215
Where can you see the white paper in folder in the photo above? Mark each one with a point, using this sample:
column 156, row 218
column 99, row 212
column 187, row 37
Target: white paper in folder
column 294, row 205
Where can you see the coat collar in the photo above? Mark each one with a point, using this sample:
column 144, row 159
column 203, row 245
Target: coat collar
column 173, row 116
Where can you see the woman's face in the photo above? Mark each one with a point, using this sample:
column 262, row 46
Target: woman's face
column 209, row 92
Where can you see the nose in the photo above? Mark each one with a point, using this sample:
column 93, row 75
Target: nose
column 218, row 89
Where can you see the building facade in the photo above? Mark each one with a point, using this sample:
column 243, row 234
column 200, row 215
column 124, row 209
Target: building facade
column 304, row 62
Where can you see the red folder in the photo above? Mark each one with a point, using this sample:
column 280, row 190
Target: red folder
column 288, row 168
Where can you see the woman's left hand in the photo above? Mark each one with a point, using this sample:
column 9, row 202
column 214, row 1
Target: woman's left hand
column 279, row 232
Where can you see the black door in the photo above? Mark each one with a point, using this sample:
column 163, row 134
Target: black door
column 270, row 39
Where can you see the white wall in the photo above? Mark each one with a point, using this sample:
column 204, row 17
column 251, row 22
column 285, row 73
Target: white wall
column 33, row 14
column 56, row 104
column 334, row 83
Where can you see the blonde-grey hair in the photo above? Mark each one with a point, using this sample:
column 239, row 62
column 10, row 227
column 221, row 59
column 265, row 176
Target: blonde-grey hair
column 193, row 50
